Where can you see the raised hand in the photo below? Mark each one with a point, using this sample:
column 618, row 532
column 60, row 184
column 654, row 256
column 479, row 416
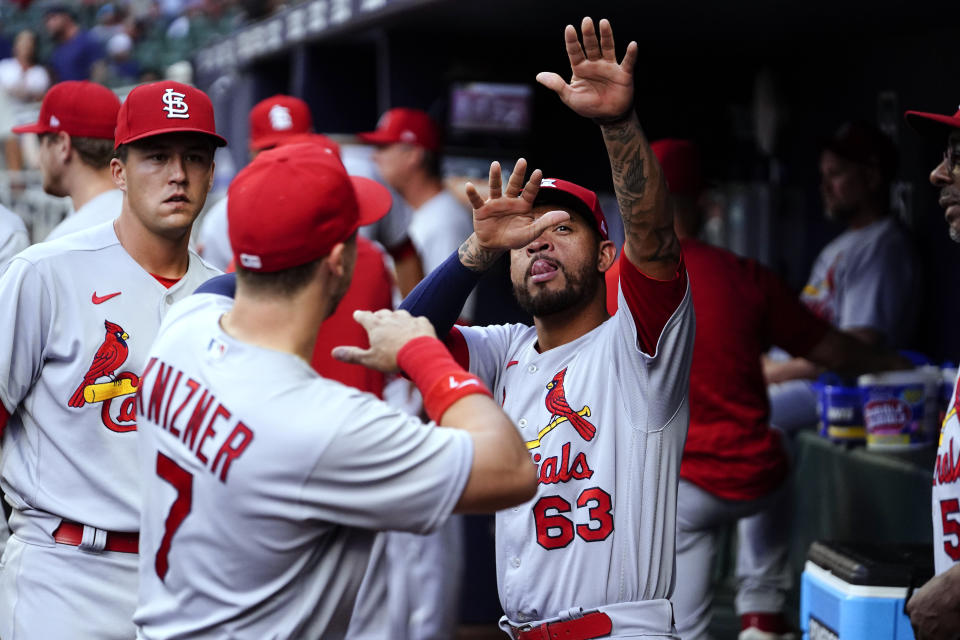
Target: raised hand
column 505, row 220
column 387, row 331
column 599, row 87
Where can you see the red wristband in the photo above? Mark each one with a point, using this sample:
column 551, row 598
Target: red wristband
column 438, row 376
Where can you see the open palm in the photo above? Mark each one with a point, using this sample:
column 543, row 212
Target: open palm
column 599, row 87
column 505, row 220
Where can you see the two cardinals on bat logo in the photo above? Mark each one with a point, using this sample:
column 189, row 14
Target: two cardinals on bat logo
column 109, row 357
column 561, row 412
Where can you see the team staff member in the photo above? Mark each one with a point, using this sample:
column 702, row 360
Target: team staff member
column 601, row 402
column 76, row 126
column 79, row 314
column 935, row 608
column 262, row 526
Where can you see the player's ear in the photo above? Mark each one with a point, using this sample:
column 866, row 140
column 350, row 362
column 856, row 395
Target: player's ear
column 337, row 260
column 213, row 167
column 606, row 255
column 63, row 146
column 118, row 171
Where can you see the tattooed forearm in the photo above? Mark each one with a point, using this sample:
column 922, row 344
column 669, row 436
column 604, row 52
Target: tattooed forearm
column 641, row 193
column 667, row 245
column 475, row 257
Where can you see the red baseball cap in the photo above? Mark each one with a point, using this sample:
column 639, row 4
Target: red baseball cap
column 573, row 196
column 411, row 126
column 292, row 204
column 82, row 109
column 932, row 124
column 680, row 161
column 313, row 138
column 276, row 118
column 165, row 107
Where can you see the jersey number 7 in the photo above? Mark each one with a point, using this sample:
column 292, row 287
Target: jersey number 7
column 182, row 481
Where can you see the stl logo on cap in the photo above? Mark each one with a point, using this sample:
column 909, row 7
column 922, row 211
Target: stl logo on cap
column 176, row 107
column 280, row 118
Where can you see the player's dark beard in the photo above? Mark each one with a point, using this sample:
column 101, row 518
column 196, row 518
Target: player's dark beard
column 581, row 287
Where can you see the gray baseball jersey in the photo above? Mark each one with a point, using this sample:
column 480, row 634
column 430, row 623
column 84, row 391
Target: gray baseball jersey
column 13, row 235
column 605, row 421
column 263, row 485
column 946, row 490
column 78, row 317
column 102, row 208
column 867, row 278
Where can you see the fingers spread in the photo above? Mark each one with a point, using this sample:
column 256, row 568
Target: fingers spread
column 532, row 187
column 629, row 58
column 574, row 51
column 476, row 200
column 590, row 43
column 606, row 41
column 515, row 185
column 496, row 180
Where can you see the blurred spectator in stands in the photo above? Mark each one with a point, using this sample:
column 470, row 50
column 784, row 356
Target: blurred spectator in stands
column 13, row 240
column 22, row 83
column 76, row 126
column 734, row 465
column 110, row 18
column 119, row 68
column 865, row 281
column 76, row 51
column 6, row 45
column 408, row 155
column 934, row 609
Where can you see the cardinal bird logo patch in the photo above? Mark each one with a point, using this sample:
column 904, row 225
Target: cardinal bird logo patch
column 561, row 412
column 109, row 358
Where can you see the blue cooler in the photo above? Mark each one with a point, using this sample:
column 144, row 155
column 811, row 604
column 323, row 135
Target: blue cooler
column 857, row 591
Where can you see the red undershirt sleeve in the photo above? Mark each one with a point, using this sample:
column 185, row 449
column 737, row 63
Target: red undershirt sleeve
column 4, row 416
column 652, row 302
column 457, row 345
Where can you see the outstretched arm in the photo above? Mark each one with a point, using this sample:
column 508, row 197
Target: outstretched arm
column 603, row 90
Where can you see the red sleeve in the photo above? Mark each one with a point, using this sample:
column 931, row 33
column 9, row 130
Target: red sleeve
column 791, row 325
column 4, row 416
column 457, row 345
column 651, row 301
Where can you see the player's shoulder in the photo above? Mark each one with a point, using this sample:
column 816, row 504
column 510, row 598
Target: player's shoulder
column 10, row 222
column 197, row 308
column 97, row 238
column 202, row 269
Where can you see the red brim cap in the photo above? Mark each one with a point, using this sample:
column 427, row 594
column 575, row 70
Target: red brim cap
column 932, row 124
column 80, row 108
column 373, row 200
column 165, row 107
column 554, row 191
column 378, row 137
column 36, row 127
column 312, row 205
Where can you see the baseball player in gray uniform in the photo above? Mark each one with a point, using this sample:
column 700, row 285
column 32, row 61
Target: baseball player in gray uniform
column 76, row 124
column 600, row 401
column 264, row 484
column 79, row 314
